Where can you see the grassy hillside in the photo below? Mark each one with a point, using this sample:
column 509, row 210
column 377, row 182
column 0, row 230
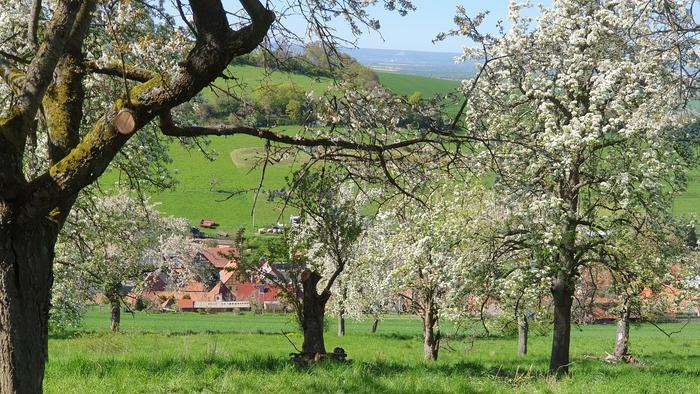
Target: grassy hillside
column 247, row 78
column 205, row 187
column 405, row 85
column 689, row 202
column 223, row 189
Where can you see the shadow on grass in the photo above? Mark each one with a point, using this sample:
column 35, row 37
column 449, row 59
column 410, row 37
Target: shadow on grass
column 356, row 376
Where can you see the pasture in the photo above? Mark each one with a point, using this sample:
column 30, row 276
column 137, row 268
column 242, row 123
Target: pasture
column 242, row 353
column 223, row 189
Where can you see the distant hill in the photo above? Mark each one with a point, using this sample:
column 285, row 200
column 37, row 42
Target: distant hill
column 223, row 189
column 428, row 64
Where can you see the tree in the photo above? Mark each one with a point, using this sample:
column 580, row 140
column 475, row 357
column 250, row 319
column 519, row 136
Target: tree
column 651, row 267
column 111, row 241
column 53, row 71
column 582, row 126
column 332, row 224
column 424, row 254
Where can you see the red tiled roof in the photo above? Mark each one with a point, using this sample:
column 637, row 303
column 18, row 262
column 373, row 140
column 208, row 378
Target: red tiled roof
column 221, row 289
column 246, row 291
column 220, row 256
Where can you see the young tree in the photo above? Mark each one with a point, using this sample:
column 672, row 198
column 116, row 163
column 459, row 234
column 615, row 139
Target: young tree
column 650, row 266
column 110, row 241
column 581, row 124
column 332, row 224
column 48, row 65
column 426, row 250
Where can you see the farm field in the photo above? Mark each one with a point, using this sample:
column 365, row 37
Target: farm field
column 219, row 353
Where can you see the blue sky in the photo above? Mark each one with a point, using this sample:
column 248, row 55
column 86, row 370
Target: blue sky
column 416, row 30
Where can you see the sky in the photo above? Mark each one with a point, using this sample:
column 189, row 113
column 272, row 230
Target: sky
column 416, row 30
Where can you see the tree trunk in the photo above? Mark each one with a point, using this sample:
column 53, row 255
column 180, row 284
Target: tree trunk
column 314, row 307
column 375, row 323
column 342, row 296
column 562, row 295
column 341, row 323
column 26, row 276
column 431, row 333
column 115, row 316
column 623, row 332
column 522, row 334
column 112, row 293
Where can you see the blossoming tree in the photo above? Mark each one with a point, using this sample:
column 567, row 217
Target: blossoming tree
column 426, row 255
column 51, row 53
column 328, row 236
column 580, row 117
column 108, row 242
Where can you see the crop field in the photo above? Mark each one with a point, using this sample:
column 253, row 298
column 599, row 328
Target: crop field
column 245, row 353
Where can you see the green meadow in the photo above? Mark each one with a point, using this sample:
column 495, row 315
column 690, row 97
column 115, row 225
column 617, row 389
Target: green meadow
column 224, row 189
column 247, row 353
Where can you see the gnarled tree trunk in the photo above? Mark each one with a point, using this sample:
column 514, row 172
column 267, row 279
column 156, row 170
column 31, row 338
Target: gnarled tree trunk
column 375, row 323
column 26, row 256
column 623, row 331
column 112, row 294
column 314, row 306
column 32, row 211
column 562, row 295
column 431, row 332
column 523, row 328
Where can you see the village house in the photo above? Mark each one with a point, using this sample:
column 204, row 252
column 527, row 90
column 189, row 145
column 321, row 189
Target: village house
column 234, row 290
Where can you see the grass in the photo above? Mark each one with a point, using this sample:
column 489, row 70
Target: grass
column 178, row 353
column 223, row 189
column 406, row 85
column 248, row 78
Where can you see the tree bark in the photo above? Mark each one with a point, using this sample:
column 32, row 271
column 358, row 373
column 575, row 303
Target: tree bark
column 375, row 323
column 112, row 294
column 26, row 256
column 431, row 333
column 562, row 295
column 314, row 308
column 115, row 316
column 523, row 329
column 623, row 332
column 341, row 323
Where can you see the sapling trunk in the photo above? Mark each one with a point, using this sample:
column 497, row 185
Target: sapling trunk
column 431, row 332
column 523, row 329
column 375, row 323
column 341, row 323
column 623, row 331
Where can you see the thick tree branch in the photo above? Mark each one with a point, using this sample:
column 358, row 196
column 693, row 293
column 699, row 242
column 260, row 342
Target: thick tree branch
column 171, row 129
column 214, row 49
column 15, row 127
column 116, row 70
column 33, row 24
